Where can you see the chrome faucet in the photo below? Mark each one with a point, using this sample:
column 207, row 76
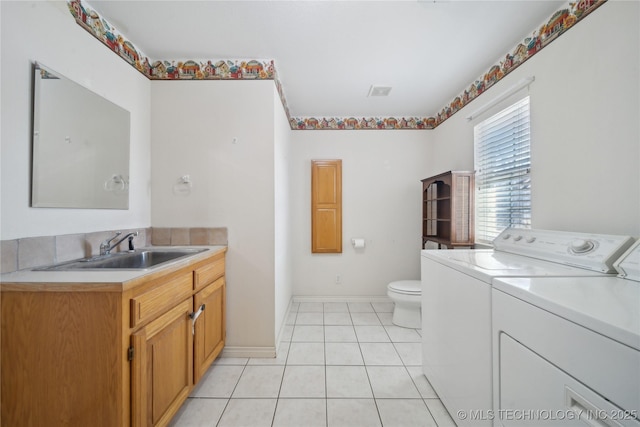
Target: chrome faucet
column 106, row 246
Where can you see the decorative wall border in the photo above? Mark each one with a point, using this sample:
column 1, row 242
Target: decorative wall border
column 255, row 69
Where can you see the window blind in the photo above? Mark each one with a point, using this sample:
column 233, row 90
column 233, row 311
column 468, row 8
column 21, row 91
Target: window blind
column 503, row 165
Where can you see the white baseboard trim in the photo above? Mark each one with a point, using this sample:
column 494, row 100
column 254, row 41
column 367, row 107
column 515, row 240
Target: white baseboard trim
column 368, row 298
column 238, row 351
column 270, row 352
column 283, row 326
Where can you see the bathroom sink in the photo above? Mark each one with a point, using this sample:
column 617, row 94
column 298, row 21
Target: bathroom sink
column 138, row 260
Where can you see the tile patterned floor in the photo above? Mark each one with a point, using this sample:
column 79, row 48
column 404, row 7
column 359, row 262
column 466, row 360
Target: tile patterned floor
column 340, row 364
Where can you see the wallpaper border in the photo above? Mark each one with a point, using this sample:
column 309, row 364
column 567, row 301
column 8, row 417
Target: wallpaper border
column 265, row 69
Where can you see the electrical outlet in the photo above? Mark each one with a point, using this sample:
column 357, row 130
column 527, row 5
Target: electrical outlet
column 338, row 279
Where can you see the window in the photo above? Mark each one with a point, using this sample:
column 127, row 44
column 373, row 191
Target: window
column 503, row 165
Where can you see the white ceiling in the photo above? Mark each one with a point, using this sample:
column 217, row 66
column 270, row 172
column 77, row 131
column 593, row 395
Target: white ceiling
column 329, row 53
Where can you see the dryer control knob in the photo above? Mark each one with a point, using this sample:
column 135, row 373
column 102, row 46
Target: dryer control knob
column 580, row 246
column 517, row 238
column 506, row 236
column 531, row 239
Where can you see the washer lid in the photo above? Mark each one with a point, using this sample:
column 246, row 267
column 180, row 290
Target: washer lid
column 406, row 286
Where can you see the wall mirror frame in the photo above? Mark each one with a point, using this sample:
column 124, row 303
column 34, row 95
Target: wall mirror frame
column 80, row 146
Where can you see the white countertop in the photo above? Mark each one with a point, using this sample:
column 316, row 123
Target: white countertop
column 107, row 275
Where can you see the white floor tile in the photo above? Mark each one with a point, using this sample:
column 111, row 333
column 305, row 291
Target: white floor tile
column 336, row 307
column 306, row 353
column 410, row 353
column 371, row 334
column 287, row 333
column 231, row 361
column 338, row 364
column 343, row 354
column 339, row 334
column 294, row 307
column 291, row 318
column 348, row 382
column 421, row 382
column 301, row 412
column 380, row 354
column 386, row 318
column 259, row 381
column 316, row 307
column 383, row 307
column 303, row 381
column 248, row 412
column 337, row 319
column 370, row 319
column 352, row 413
column 199, row 413
column 392, row 382
column 439, row 413
column 404, row 413
column 360, row 307
column 308, row 333
column 310, row 319
column 218, row 381
column 398, row 334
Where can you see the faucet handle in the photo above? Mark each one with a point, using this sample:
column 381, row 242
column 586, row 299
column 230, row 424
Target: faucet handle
column 113, row 238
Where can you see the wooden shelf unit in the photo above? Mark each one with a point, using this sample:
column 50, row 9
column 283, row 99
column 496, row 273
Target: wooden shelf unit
column 447, row 209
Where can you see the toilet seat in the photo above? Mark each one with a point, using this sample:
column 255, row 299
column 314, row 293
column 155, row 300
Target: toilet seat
column 406, row 287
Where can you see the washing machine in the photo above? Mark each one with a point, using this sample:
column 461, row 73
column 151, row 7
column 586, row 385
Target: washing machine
column 456, row 305
column 567, row 349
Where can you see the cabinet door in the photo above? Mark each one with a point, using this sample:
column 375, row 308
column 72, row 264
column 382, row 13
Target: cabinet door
column 162, row 366
column 326, row 206
column 210, row 326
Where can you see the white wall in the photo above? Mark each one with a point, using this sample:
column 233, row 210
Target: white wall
column 585, row 136
column 193, row 129
column 381, row 202
column 283, row 230
column 45, row 31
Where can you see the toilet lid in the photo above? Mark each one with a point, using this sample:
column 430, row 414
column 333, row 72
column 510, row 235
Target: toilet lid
column 406, row 286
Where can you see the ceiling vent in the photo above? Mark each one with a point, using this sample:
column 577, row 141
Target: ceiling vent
column 379, row 90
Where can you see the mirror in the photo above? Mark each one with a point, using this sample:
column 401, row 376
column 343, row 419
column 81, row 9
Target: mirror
column 80, row 146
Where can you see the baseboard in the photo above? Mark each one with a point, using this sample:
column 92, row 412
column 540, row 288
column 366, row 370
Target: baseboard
column 238, row 351
column 341, row 298
column 270, row 352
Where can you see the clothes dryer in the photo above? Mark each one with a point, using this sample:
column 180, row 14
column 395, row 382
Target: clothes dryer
column 566, row 350
column 456, row 305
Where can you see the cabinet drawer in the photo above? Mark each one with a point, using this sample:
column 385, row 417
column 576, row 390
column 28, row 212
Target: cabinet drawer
column 160, row 298
column 208, row 273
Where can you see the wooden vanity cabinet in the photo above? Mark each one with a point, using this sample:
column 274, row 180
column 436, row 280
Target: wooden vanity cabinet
column 109, row 354
column 171, row 353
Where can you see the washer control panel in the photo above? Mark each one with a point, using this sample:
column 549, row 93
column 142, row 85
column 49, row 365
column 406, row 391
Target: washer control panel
column 628, row 265
column 595, row 252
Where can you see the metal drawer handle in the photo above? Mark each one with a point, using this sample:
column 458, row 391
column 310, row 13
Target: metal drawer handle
column 194, row 317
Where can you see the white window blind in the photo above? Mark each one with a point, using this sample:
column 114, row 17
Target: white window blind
column 503, row 165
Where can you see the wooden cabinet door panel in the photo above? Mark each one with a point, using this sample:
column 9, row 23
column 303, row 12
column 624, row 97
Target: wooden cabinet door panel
column 210, row 327
column 162, row 371
column 326, row 206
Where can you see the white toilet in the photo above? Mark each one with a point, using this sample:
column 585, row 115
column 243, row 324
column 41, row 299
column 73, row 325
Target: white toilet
column 406, row 294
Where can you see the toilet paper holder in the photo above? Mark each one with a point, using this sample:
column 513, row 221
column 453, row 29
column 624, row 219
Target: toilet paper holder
column 358, row 243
